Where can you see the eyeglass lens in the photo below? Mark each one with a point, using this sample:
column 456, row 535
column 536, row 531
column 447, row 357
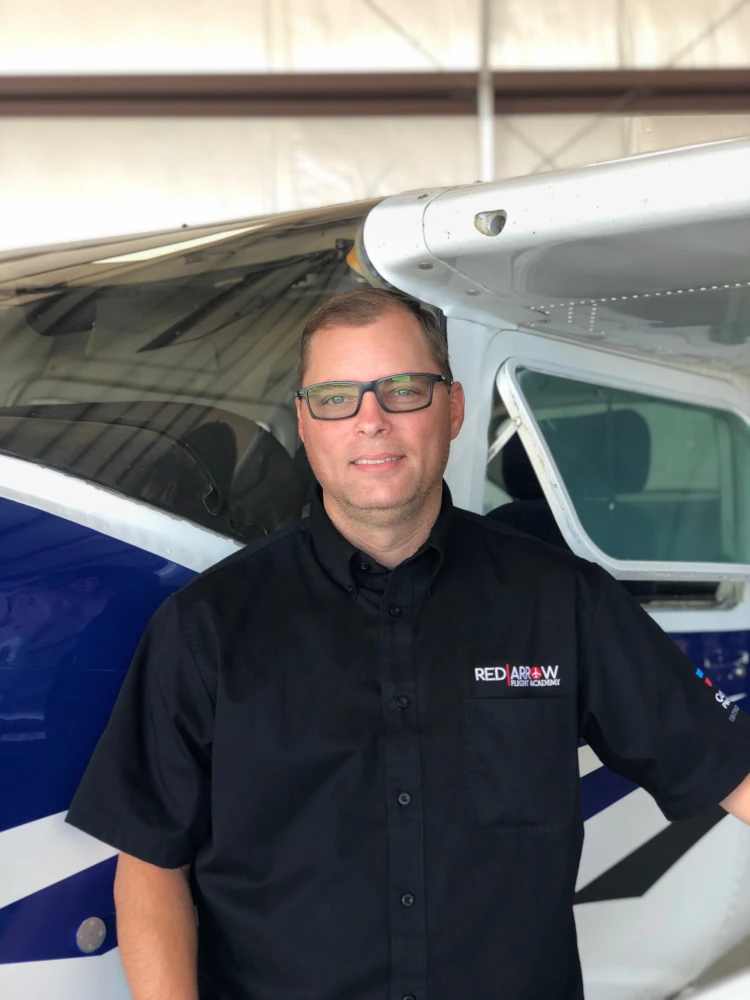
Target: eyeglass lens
column 400, row 393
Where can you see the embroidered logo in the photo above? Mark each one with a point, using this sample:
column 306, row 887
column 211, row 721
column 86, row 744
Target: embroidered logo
column 520, row 676
column 720, row 696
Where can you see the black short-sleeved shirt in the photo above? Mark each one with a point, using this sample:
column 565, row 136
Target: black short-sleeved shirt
column 374, row 773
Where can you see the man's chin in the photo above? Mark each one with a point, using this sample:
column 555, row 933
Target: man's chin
column 378, row 503
column 382, row 500
column 377, row 496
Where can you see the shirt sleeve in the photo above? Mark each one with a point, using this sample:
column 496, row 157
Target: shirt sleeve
column 650, row 717
column 146, row 790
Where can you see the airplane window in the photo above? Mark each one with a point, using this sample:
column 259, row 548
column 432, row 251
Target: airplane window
column 650, row 478
column 169, row 375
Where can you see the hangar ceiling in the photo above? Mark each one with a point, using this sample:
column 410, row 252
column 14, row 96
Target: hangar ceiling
column 153, row 116
column 311, row 36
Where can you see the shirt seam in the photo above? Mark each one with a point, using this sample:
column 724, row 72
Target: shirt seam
column 193, row 656
column 246, row 554
column 514, row 535
column 197, row 671
column 590, row 623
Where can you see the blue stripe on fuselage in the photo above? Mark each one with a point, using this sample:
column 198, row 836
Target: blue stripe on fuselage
column 43, row 926
column 74, row 606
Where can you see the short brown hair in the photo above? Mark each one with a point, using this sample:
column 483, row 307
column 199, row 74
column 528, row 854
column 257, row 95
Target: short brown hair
column 363, row 306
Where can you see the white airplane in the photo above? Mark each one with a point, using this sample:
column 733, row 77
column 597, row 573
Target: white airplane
column 599, row 320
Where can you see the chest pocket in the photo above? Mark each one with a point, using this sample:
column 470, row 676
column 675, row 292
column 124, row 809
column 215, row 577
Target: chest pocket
column 522, row 758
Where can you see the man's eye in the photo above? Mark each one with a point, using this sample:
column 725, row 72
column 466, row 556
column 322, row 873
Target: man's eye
column 335, row 400
column 404, row 392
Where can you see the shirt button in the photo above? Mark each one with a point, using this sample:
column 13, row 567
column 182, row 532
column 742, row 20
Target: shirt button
column 365, row 567
column 402, row 701
column 394, row 611
column 407, row 899
column 404, row 798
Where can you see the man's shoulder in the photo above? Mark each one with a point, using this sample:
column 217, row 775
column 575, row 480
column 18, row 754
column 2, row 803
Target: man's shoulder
column 517, row 548
column 277, row 549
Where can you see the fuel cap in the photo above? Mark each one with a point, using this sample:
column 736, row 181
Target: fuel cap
column 91, row 934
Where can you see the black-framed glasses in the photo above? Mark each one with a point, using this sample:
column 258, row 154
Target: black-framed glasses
column 396, row 394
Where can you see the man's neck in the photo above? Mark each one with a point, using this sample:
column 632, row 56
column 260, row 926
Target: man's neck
column 387, row 543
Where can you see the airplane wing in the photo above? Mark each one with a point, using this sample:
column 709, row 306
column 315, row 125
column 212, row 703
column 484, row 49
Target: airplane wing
column 646, row 256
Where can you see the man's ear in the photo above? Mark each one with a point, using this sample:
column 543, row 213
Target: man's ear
column 457, row 408
column 300, row 431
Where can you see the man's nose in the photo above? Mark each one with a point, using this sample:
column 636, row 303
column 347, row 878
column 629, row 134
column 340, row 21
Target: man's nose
column 371, row 417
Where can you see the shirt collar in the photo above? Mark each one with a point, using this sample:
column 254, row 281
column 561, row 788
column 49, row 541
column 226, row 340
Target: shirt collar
column 335, row 553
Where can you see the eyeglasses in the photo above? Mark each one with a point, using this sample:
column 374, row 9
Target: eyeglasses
column 395, row 393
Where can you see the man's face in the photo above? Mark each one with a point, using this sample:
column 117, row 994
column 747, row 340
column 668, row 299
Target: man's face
column 417, row 442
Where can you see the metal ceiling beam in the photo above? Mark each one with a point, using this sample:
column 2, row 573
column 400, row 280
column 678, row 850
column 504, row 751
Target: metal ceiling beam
column 703, row 91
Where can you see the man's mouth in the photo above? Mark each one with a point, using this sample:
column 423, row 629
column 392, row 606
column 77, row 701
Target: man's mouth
column 377, row 461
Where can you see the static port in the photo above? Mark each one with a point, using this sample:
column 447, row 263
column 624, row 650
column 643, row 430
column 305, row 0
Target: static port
column 491, row 223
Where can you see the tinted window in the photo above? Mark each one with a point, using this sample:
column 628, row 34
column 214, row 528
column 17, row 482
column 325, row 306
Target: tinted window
column 169, row 374
column 650, row 478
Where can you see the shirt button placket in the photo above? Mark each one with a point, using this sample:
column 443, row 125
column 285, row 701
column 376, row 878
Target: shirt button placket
column 403, row 770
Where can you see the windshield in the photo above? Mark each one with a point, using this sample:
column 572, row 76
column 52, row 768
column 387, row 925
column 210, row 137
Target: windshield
column 169, row 373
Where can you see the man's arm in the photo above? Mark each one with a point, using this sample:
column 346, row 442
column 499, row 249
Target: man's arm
column 738, row 803
column 156, row 930
column 654, row 718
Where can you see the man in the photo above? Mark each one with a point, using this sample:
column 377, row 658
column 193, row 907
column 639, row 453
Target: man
column 353, row 745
